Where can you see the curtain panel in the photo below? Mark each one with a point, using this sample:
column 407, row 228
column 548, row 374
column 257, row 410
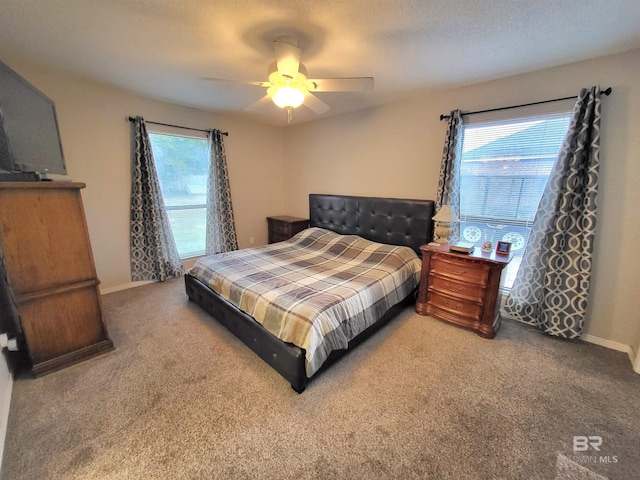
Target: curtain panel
column 449, row 179
column 154, row 255
column 552, row 285
column 221, row 231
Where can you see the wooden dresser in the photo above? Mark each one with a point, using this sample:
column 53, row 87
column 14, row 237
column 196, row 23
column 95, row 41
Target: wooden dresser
column 284, row 227
column 461, row 288
column 48, row 280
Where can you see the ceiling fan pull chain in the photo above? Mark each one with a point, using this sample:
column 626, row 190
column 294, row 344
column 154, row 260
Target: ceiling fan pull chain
column 289, row 115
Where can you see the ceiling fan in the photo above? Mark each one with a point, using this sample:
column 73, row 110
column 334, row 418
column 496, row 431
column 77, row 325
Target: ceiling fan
column 288, row 85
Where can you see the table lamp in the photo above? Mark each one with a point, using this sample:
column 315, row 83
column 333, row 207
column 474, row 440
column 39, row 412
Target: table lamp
column 443, row 220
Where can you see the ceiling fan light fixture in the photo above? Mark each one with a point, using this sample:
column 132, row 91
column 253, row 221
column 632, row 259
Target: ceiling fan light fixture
column 287, row 91
column 289, row 86
column 287, row 96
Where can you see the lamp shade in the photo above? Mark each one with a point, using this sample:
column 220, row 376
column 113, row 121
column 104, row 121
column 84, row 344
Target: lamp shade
column 446, row 215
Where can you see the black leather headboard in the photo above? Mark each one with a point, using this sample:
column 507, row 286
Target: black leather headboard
column 393, row 221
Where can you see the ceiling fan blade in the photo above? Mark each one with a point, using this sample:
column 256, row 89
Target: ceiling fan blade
column 352, row 84
column 239, row 82
column 287, row 56
column 259, row 104
column 315, row 104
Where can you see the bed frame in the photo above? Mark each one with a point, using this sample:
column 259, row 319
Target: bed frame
column 384, row 220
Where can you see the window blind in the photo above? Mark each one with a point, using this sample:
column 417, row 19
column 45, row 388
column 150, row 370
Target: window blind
column 505, row 166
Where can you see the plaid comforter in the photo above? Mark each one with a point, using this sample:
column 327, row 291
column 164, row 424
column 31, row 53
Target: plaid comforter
column 317, row 290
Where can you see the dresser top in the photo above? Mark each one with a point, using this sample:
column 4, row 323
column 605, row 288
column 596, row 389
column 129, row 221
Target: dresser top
column 477, row 254
column 288, row 219
column 41, row 185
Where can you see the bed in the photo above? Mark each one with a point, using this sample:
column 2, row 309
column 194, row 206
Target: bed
column 358, row 221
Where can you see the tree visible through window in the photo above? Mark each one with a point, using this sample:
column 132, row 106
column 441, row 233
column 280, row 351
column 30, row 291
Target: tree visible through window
column 504, row 169
column 183, row 168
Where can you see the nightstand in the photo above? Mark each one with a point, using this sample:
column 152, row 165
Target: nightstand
column 461, row 288
column 284, row 227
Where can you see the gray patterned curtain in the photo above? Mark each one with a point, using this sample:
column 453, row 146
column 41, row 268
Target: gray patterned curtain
column 552, row 285
column 221, row 229
column 154, row 255
column 449, row 180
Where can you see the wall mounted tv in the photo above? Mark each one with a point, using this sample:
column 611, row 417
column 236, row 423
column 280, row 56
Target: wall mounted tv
column 30, row 145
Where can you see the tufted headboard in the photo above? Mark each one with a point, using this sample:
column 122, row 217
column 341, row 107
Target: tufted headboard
column 393, row 221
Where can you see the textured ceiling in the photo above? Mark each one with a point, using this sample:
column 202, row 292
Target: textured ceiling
column 164, row 48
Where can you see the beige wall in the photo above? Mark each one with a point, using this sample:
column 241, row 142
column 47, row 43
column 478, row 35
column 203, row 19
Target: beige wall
column 96, row 142
column 395, row 150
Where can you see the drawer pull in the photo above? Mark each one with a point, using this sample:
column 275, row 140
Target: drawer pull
column 457, row 272
column 453, row 288
column 452, row 304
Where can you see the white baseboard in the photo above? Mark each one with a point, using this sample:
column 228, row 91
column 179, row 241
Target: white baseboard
column 5, row 404
column 603, row 342
column 187, row 264
column 620, row 347
column 124, row 286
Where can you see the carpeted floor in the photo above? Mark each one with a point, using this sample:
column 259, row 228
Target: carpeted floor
column 182, row 398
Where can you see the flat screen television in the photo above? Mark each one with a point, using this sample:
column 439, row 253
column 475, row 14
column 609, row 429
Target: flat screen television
column 30, row 145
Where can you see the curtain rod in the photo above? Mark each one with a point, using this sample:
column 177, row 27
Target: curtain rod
column 131, row 119
column 606, row 92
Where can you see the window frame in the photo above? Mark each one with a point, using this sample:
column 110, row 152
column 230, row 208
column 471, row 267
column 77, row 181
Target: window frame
column 170, row 131
column 500, row 225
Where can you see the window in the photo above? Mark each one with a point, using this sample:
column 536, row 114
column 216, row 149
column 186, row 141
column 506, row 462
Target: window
column 504, row 169
column 183, row 167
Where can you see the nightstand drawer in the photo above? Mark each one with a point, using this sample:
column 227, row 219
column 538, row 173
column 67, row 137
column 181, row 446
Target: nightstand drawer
column 277, row 237
column 455, row 288
column 464, row 271
column 280, row 227
column 461, row 308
